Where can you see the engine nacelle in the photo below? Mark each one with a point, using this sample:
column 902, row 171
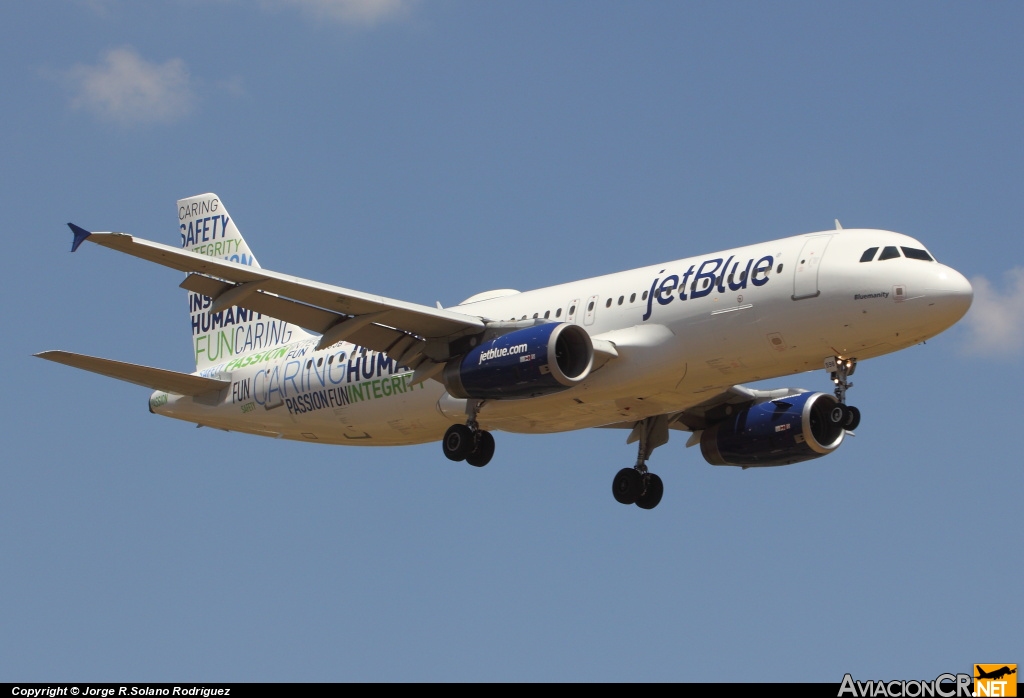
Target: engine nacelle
column 779, row 432
column 529, row 362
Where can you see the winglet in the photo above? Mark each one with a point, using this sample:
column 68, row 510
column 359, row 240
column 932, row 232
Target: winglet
column 80, row 235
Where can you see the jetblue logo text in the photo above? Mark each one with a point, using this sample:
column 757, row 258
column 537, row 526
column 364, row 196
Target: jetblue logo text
column 498, row 352
column 709, row 276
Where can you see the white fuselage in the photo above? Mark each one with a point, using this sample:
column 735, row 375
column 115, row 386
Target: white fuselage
column 682, row 331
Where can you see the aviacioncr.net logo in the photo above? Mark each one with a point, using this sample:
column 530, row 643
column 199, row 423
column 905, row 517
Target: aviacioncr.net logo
column 995, row 680
column 944, row 686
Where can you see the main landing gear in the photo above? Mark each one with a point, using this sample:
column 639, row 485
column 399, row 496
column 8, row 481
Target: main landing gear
column 637, row 485
column 468, row 441
column 840, row 370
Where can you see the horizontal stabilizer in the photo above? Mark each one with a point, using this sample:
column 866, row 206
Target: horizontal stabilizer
column 154, row 378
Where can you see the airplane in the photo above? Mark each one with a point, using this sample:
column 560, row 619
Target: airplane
column 661, row 348
column 996, row 674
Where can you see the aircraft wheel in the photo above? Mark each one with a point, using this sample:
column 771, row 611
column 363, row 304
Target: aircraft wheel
column 627, row 486
column 483, row 449
column 458, row 442
column 852, row 419
column 838, row 414
column 652, row 495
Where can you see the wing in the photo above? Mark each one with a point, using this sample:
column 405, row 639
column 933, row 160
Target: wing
column 714, row 409
column 720, row 406
column 155, row 378
column 409, row 333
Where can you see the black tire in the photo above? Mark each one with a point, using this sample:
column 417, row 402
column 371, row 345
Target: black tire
column 627, row 486
column 458, row 442
column 483, row 449
column 852, row 419
column 838, row 414
column 652, row 495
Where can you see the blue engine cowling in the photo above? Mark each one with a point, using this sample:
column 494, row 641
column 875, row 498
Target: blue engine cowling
column 529, row 362
column 779, row 432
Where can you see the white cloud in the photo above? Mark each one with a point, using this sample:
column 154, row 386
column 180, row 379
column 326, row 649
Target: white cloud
column 127, row 89
column 364, row 12
column 996, row 318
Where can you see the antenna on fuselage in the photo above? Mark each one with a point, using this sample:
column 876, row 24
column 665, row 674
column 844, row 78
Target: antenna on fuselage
column 838, row 225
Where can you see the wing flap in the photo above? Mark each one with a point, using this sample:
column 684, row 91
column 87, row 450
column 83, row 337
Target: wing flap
column 146, row 376
column 372, row 336
column 313, row 319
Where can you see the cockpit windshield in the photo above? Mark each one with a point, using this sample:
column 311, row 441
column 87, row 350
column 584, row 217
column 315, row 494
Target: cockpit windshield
column 893, row 252
column 914, row 253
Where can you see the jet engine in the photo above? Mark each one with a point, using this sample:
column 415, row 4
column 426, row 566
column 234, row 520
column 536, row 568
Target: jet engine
column 532, row 361
column 778, row 432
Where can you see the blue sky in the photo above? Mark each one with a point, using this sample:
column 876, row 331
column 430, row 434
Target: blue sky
column 431, row 150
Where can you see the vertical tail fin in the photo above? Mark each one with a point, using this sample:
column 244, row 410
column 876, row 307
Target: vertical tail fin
column 217, row 337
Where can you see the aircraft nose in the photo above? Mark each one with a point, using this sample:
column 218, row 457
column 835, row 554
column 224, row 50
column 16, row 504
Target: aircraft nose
column 952, row 293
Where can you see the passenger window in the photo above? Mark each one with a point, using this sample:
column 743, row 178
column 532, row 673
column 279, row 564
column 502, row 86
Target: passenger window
column 912, row 253
column 621, row 298
column 309, row 364
column 330, row 359
column 558, row 312
column 590, row 306
column 547, row 314
column 779, row 270
column 320, row 361
column 608, row 303
column 632, row 298
column 869, row 254
column 572, row 310
column 889, row 253
column 536, row 315
column 644, row 297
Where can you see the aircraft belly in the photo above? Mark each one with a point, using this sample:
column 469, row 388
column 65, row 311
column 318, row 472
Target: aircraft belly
column 566, row 417
column 374, row 415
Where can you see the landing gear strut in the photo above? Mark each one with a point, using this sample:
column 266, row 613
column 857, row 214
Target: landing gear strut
column 840, row 370
column 468, row 441
column 637, row 485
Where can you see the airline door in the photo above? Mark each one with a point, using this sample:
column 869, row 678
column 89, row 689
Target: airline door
column 805, row 274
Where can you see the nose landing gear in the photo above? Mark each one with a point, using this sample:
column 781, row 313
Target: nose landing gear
column 840, row 370
column 637, row 485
